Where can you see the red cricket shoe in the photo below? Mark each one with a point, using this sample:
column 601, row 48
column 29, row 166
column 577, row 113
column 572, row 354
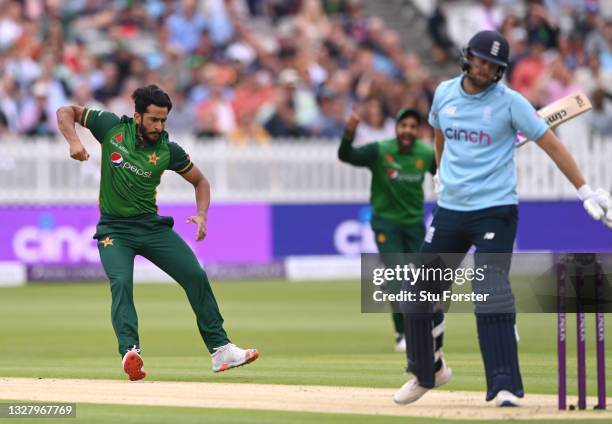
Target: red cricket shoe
column 132, row 364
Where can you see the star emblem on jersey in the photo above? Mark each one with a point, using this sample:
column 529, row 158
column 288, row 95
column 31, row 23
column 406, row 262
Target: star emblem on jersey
column 107, row 242
column 153, row 158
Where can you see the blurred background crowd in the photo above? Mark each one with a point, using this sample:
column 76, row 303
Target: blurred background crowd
column 251, row 71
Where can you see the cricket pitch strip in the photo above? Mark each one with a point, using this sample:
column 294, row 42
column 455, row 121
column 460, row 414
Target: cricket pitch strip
column 443, row 404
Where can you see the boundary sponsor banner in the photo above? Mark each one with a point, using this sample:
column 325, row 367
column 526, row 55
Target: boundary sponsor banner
column 332, row 229
column 63, row 234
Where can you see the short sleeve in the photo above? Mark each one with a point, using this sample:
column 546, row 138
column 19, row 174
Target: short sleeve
column 99, row 122
column 525, row 118
column 180, row 161
column 433, row 112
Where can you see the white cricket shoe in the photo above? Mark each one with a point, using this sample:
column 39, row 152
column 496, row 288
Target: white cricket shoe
column 413, row 391
column 231, row 356
column 400, row 343
column 506, row 398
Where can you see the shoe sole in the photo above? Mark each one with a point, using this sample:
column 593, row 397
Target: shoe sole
column 251, row 356
column 133, row 366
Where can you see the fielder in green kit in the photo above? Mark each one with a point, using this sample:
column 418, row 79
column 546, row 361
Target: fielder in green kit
column 398, row 169
column 135, row 153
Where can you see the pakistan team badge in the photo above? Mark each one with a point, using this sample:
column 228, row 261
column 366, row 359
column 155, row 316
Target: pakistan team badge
column 107, row 242
column 153, row 158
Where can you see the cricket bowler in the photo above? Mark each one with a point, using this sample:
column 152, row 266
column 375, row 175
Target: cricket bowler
column 475, row 119
column 398, row 167
column 135, row 153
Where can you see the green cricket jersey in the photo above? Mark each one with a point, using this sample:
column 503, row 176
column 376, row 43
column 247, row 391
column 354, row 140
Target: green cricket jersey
column 396, row 192
column 131, row 170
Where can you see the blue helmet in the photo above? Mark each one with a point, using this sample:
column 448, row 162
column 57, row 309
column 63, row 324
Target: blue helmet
column 490, row 46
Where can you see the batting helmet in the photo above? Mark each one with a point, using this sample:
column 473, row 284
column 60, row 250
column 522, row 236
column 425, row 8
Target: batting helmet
column 490, row 46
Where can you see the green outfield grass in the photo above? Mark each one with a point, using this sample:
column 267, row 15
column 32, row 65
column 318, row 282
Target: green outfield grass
column 127, row 414
column 307, row 333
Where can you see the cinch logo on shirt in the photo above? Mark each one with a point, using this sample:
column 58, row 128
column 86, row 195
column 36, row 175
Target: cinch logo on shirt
column 475, row 137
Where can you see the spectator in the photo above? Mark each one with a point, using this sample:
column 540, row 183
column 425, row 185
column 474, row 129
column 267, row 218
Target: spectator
column 111, row 85
column 4, row 125
column 557, row 82
column 8, row 103
column 248, row 130
column 540, row 25
column 527, row 72
column 283, row 123
column 600, row 118
column 303, row 98
column 592, row 76
column 375, row 125
column 185, row 25
column 11, row 21
column 220, row 25
column 215, row 116
column 38, row 114
column 331, row 120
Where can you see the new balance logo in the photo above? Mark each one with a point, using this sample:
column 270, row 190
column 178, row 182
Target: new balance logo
column 489, row 236
column 430, row 234
column 495, row 48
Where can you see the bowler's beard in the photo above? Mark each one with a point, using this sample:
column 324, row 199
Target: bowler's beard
column 145, row 137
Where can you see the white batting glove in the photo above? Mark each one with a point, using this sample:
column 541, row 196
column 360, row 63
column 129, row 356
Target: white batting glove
column 436, row 181
column 597, row 203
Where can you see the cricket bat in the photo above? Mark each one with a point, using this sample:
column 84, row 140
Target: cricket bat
column 561, row 111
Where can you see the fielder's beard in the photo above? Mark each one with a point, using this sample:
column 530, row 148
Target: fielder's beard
column 405, row 142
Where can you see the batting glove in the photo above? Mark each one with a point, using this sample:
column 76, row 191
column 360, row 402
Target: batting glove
column 436, row 181
column 597, row 203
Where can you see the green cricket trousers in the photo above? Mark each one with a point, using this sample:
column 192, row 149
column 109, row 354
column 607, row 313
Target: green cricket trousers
column 392, row 237
column 152, row 236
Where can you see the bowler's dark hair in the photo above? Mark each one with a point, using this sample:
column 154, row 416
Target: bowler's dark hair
column 150, row 95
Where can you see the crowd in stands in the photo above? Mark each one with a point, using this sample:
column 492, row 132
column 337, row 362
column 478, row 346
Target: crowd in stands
column 251, row 71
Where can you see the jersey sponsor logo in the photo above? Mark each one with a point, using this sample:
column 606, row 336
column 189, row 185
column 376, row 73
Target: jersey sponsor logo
column 393, row 174
column 460, row 134
column 119, row 146
column 430, row 234
column 138, row 171
column 116, row 159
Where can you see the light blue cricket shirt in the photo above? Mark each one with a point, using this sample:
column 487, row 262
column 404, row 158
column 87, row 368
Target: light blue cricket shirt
column 477, row 169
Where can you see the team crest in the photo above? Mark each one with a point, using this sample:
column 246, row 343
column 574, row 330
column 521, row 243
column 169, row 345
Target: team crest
column 153, row 158
column 420, row 164
column 116, row 159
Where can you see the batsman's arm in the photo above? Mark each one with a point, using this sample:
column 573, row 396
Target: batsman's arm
column 439, row 145
column 202, row 194
column 67, row 116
